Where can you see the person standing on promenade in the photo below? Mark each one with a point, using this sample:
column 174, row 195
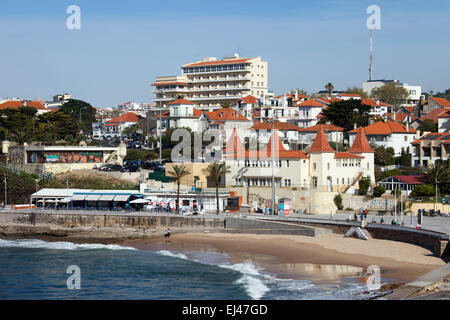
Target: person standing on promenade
column 361, row 214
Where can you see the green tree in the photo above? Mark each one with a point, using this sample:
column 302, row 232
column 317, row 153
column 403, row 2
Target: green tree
column 347, row 113
column 81, row 113
column 131, row 129
column 18, row 124
column 338, row 201
column 357, row 90
column 438, row 173
column 226, row 104
column 391, row 93
column 56, row 124
column 329, row 87
column 404, row 159
column 214, row 171
column 178, row 172
column 378, row 191
column 383, row 156
column 423, row 190
column 364, row 184
column 428, row 125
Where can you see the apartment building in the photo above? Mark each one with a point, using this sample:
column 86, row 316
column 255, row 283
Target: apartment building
column 211, row 82
column 430, row 148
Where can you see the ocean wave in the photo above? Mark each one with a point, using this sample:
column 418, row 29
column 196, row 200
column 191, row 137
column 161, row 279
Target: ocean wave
column 58, row 245
column 172, row 254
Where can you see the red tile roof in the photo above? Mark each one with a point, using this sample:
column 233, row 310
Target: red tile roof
column 127, row 117
column 445, row 114
column 411, row 179
column 385, row 128
column 434, row 114
column 441, row 101
column 325, row 127
column 180, row 101
column 373, row 103
column 226, row 114
column 320, row 143
column 311, row 103
column 234, row 145
column 219, row 62
column 17, row 104
column 329, row 100
column 400, row 116
column 249, row 99
column 361, row 145
column 197, row 113
column 278, row 146
column 350, row 95
column 282, row 126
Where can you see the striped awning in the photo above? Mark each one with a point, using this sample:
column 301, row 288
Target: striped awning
column 93, row 197
column 107, row 197
column 122, row 197
column 79, row 197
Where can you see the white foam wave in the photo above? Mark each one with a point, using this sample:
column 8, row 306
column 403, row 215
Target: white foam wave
column 172, row 254
column 59, row 245
column 252, row 279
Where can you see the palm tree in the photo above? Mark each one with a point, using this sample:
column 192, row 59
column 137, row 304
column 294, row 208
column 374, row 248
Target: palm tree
column 178, row 173
column 329, row 86
column 438, row 173
column 226, row 104
column 214, row 171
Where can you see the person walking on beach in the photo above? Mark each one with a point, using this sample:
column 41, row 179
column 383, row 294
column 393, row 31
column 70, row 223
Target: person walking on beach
column 167, row 235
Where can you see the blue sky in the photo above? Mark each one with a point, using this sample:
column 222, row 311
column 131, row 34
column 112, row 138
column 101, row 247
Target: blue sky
column 123, row 45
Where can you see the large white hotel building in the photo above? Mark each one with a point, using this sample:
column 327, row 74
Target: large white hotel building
column 211, row 82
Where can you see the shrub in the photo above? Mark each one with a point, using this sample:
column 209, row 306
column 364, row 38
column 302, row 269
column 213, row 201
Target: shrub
column 378, row 191
column 423, row 190
column 338, row 201
column 364, row 184
column 348, row 209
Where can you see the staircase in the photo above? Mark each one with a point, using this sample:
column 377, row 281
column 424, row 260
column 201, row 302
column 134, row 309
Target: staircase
column 358, row 176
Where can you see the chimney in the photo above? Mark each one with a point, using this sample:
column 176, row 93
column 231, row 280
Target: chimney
column 407, row 126
column 371, row 121
column 296, row 95
column 355, row 126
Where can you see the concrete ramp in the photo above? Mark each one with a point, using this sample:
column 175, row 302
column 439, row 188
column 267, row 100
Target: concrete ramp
column 257, row 226
column 356, row 232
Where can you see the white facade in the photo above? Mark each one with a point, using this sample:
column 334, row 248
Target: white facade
column 414, row 91
column 211, row 82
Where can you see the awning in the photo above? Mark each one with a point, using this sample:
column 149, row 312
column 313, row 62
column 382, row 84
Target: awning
column 64, row 200
column 93, row 197
column 122, row 197
column 140, row 201
column 107, row 197
column 78, row 197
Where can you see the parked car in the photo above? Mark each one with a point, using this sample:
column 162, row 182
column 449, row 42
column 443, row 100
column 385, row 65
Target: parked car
column 111, row 167
column 159, row 168
column 131, row 168
column 150, row 165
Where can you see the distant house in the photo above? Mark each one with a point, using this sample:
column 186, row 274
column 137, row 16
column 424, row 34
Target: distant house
column 404, row 183
column 115, row 126
column 288, row 132
column 308, row 112
column 306, row 136
column 17, row 104
column 388, row 134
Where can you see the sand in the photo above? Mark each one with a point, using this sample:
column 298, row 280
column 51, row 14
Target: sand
column 324, row 257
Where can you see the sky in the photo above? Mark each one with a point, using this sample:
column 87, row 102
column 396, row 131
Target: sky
column 123, row 46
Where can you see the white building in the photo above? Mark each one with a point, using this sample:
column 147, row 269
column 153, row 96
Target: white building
column 319, row 168
column 414, row 91
column 444, row 121
column 308, row 113
column 388, row 134
column 211, row 82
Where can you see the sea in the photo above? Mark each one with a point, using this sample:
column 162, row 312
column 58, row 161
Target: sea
column 39, row 270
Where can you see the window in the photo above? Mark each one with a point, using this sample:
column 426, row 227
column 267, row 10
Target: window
column 328, row 165
column 405, row 138
column 314, row 166
column 314, row 182
column 287, row 163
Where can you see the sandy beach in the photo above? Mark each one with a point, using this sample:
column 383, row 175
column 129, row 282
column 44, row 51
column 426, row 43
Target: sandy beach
column 326, row 257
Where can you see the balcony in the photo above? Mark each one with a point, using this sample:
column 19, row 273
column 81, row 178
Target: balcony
column 213, row 72
column 220, row 89
column 219, row 80
column 185, row 89
column 215, row 98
